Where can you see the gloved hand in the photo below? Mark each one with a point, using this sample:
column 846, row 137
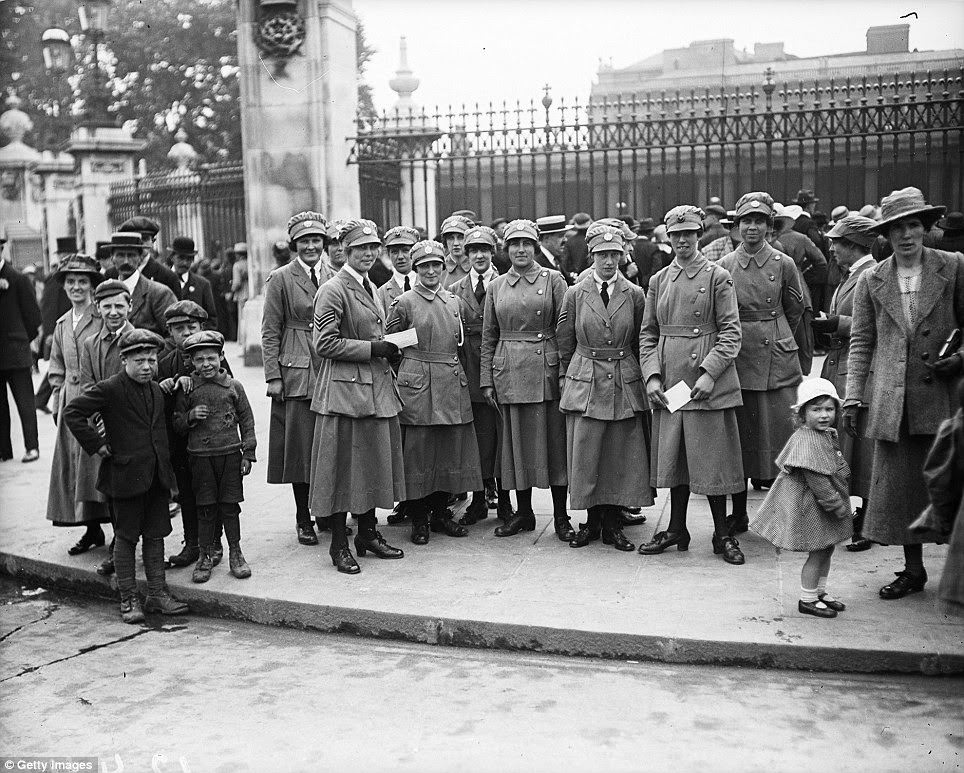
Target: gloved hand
column 850, row 419
column 826, row 325
column 384, row 349
column 948, row 368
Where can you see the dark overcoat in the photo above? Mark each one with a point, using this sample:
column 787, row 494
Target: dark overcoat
column 837, row 362
column 148, row 302
column 20, row 319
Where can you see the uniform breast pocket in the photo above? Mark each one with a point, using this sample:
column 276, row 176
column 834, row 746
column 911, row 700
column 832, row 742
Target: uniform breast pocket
column 785, row 345
column 498, row 362
column 411, row 382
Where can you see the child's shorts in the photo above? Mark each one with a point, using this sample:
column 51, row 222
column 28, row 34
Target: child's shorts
column 217, row 479
column 143, row 515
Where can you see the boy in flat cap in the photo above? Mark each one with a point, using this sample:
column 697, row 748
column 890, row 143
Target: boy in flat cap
column 219, row 425
column 136, row 472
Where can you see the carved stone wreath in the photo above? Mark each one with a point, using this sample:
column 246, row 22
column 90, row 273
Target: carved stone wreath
column 281, row 34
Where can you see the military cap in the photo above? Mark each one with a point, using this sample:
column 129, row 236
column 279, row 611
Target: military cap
column 205, row 339
column 620, row 225
column 855, row 228
column 603, row 236
column 425, row 251
column 359, row 232
column 125, row 240
column 401, row 235
column 685, row 217
column 551, row 224
column 184, row 311
column 334, row 230
column 521, row 229
column 580, row 221
column 468, row 214
column 481, row 234
column 757, row 201
column 455, row 224
column 303, row 224
column 109, row 288
column 142, row 225
column 80, row 264
column 135, row 340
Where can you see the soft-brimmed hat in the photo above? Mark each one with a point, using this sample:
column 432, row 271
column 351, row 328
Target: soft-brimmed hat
column 601, row 237
column 856, row 228
column 183, row 245
column 109, row 288
column 401, row 235
column 907, row 202
column 521, row 229
column 580, row 221
column 456, row 224
column 135, row 340
column 685, row 217
column 838, row 213
column 240, row 247
column 805, row 197
column 425, row 251
column 812, row 388
column 715, row 209
column 142, row 225
column 80, row 264
column 790, row 211
column 551, row 224
column 184, row 311
column 483, row 235
column 356, row 233
column 868, row 210
column 954, row 221
column 305, row 223
column 126, row 240
column 205, row 339
column 66, row 244
column 756, row 201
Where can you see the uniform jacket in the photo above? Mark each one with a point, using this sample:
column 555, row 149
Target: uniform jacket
column 889, row 360
column 520, row 354
column 66, row 350
column 649, row 259
column 148, row 302
column 431, row 379
column 771, row 304
column 389, row 291
column 350, row 381
column 136, row 434
column 575, row 259
column 230, row 413
column 691, row 325
column 455, row 270
column 808, row 257
column 473, row 315
column 836, row 364
column 100, row 355
column 543, row 259
column 19, row 319
column 286, row 331
column 198, row 289
column 599, row 350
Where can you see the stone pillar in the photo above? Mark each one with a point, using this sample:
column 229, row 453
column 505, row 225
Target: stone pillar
column 18, row 212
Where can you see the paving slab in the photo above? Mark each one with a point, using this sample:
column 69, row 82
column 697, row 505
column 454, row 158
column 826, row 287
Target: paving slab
column 529, row 592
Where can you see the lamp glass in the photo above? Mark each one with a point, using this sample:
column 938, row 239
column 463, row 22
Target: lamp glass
column 57, row 55
column 93, row 14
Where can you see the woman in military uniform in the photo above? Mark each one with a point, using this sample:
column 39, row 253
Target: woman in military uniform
column 289, row 363
column 356, row 454
column 691, row 333
column 440, row 451
column 603, row 395
column 398, row 242
column 771, row 302
column 520, row 378
column 453, row 231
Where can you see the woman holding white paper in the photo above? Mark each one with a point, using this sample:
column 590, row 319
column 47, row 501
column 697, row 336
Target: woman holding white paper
column 439, row 447
column 691, row 334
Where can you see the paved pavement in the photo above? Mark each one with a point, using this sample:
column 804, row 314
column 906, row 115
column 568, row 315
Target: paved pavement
column 529, row 592
column 220, row 695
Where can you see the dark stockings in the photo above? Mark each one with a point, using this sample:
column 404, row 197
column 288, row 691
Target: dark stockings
column 679, row 497
column 559, row 494
column 339, row 531
column 718, row 509
column 302, row 515
column 523, row 499
column 739, row 504
column 914, row 559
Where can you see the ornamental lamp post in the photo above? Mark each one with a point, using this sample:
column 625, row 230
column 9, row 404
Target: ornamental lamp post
column 93, row 22
column 93, row 15
column 57, row 52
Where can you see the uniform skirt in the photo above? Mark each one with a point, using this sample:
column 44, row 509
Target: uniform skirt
column 608, row 462
column 897, row 490
column 289, row 441
column 488, row 433
column 357, row 465
column 440, row 458
column 766, row 423
column 72, row 497
column 533, row 445
column 859, row 455
column 699, row 449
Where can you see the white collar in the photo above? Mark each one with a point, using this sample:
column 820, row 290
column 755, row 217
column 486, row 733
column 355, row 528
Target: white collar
column 354, row 274
column 3, row 262
column 487, row 277
column 549, row 255
column 610, row 283
column 184, row 277
column 864, row 259
column 400, row 279
column 131, row 282
column 305, row 267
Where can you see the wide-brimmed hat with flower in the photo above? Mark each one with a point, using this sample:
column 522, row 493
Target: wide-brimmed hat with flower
column 907, row 202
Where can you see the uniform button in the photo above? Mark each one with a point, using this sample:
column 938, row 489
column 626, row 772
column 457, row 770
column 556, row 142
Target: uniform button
column 352, row 378
column 833, row 362
column 766, row 341
column 609, row 359
column 927, row 379
column 693, row 356
column 773, row 313
column 702, row 289
column 925, row 356
column 609, row 342
column 594, row 354
column 539, row 336
column 539, row 292
column 696, row 331
column 698, row 314
column 609, row 375
column 620, row 352
column 772, row 277
column 769, row 300
column 538, row 351
column 538, row 313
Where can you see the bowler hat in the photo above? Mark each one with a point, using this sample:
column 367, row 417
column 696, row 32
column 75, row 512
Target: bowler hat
column 907, row 202
column 142, row 224
column 646, row 225
column 685, row 217
column 855, row 228
column 183, row 245
column 109, row 288
column 122, row 240
column 66, row 244
column 804, row 197
column 137, row 339
column 206, row 339
column 954, row 221
column 551, row 224
column 812, row 388
column 184, row 311
column 80, row 264
column 580, row 221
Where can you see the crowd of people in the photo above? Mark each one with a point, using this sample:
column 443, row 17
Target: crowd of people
column 599, row 359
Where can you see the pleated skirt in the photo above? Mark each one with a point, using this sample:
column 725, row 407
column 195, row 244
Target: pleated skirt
column 357, row 465
column 766, row 423
column 290, row 434
column 608, row 462
column 440, row 458
column 859, row 454
column 72, row 496
column 533, row 445
column 699, row 449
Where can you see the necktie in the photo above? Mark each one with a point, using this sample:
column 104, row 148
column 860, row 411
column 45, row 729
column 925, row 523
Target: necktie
column 604, row 294
column 479, row 291
column 314, row 276
column 368, row 288
column 408, row 285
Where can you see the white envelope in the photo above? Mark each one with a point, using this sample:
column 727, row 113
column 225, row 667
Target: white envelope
column 678, row 395
column 403, row 339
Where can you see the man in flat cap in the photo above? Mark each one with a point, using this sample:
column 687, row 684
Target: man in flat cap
column 191, row 285
column 149, row 299
column 149, row 266
column 552, row 235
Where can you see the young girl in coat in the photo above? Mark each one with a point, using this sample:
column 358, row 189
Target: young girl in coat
column 808, row 507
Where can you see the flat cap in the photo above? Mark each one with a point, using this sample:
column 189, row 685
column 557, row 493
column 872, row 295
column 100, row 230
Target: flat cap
column 359, row 232
column 521, row 229
column 601, row 236
column 685, row 217
column 856, row 228
column 456, row 224
column 715, row 209
column 135, row 340
column 580, row 221
column 206, row 339
column 184, row 311
column 425, row 251
column 110, row 288
column 401, row 235
column 141, row 224
column 303, row 224
column 552, row 224
column 481, row 234
column 756, row 201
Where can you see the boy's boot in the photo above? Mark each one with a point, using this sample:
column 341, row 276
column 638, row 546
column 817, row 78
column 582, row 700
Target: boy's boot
column 202, row 570
column 130, row 609
column 159, row 598
column 130, row 605
column 239, row 567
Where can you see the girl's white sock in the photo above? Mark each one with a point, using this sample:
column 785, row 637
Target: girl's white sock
column 808, row 594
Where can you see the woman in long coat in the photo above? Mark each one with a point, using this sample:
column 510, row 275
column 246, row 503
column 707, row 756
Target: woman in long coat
column 905, row 308
column 73, row 498
column 603, row 395
column 440, row 450
column 691, row 333
column 290, row 364
column 771, row 301
column 520, row 377
column 850, row 241
column 356, row 455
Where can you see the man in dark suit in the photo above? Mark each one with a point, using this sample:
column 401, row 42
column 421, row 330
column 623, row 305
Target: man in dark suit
column 148, row 298
column 575, row 257
column 714, row 229
column 552, row 235
column 148, row 228
column 19, row 321
column 192, row 286
column 647, row 255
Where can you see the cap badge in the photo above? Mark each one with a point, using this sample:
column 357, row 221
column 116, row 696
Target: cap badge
column 681, row 217
column 476, row 235
column 428, row 249
column 608, row 237
column 366, row 230
column 309, row 224
column 754, row 203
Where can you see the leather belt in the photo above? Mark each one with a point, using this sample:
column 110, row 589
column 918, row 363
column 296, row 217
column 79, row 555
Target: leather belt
column 298, row 325
column 532, row 336
column 601, row 353
column 761, row 315
column 684, row 331
column 411, row 353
